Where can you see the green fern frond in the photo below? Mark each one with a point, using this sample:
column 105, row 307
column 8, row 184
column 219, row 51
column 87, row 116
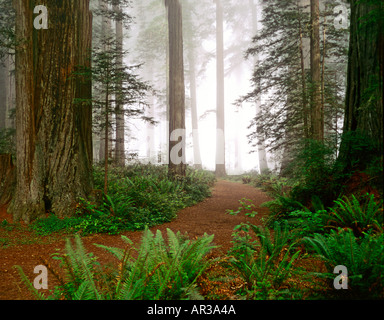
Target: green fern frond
column 29, row 284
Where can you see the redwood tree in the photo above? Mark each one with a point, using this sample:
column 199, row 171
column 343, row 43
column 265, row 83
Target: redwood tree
column 317, row 114
column 220, row 114
column 362, row 141
column 53, row 115
column 176, row 89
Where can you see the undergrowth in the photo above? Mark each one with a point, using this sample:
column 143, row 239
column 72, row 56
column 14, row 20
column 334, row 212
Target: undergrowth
column 139, row 196
column 157, row 270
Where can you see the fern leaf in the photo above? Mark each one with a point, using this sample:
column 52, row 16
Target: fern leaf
column 29, row 284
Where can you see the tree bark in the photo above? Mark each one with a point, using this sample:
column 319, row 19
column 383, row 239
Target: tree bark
column 3, row 95
column 53, row 114
column 317, row 129
column 220, row 115
column 364, row 97
column 120, row 123
column 176, row 89
column 7, row 179
column 303, row 80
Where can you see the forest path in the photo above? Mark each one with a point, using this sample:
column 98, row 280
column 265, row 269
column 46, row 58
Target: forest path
column 209, row 216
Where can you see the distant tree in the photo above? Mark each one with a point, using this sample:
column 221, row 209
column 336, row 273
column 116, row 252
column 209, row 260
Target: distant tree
column 283, row 76
column 7, row 44
column 115, row 85
column 220, row 113
column 262, row 155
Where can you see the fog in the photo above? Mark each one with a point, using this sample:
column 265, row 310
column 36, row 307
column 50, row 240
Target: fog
column 146, row 142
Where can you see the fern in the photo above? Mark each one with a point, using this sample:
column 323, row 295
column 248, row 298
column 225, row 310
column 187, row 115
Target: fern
column 156, row 270
column 264, row 263
column 358, row 216
column 364, row 258
column 29, row 284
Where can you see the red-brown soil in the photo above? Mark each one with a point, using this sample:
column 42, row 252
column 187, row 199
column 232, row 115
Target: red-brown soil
column 208, row 216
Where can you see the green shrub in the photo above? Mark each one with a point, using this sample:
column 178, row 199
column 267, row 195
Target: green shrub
column 306, row 223
column 280, row 208
column 364, row 259
column 158, row 270
column 312, row 169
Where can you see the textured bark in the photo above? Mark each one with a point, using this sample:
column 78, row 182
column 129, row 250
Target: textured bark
column 303, row 81
column 53, row 121
column 176, row 84
column 7, row 179
column 317, row 128
column 220, row 115
column 3, row 107
column 364, row 97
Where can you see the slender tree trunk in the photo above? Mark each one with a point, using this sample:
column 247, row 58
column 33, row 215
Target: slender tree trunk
column 220, row 114
column 323, row 80
column 262, row 155
column 303, row 82
column 193, row 94
column 53, row 123
column 177, row 159
column 316, row 113
column 106, row 141
column 120, row 123
column 3, row 95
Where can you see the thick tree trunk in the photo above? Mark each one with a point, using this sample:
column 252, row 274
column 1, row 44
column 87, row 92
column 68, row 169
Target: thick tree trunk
column 177, row 159
column 220, row 115
column 53, row 115
column 364, row 98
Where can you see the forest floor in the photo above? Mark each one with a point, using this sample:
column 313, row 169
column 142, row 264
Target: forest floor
column 19, row 246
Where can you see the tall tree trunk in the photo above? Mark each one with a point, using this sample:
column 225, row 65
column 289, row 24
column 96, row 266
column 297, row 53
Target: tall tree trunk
column 105, row 41
column 3, row 94
column 177, row 136
column 220, row 114
column 193, row 94
column 364, row 97
column 53, row 123
column 10, row 100
column 262, row 155
column 317, row 129
column 303, row 78
column 120, row 123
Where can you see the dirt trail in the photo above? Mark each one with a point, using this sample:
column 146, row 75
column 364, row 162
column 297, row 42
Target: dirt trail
column 206, row 217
